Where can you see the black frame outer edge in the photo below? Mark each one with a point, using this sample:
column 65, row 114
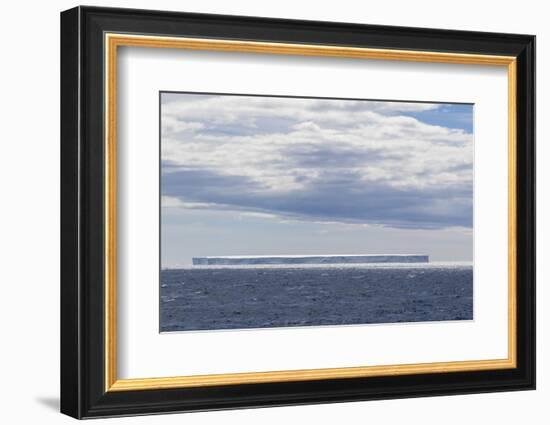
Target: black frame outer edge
column 70, row 383
column 82, row 345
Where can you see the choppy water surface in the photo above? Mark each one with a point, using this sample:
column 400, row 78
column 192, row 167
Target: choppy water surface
column 238, row 297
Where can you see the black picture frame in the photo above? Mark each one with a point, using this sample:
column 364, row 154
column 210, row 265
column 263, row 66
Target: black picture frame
column 83, row 392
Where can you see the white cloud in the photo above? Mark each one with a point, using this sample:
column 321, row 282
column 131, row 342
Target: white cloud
column 293, row 146
column 175, row 202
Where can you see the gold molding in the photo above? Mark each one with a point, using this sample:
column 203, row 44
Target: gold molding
column 307, row 374
column 512, row 212
column 116, row 40
column 113, row 41
column 110, row 213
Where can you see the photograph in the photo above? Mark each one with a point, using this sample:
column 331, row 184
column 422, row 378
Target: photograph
column 283, row 211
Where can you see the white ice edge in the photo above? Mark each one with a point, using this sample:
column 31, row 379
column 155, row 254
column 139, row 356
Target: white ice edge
column 313, row 255
column 432, row 265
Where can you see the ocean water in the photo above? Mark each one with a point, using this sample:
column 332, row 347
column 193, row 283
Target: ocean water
column 243, row 297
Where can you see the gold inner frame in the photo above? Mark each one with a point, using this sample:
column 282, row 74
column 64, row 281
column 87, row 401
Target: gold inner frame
column 113, row 41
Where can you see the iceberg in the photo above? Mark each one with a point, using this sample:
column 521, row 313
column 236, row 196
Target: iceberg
column 310, row 259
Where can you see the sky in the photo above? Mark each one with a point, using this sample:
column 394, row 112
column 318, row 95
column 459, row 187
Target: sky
column 263, row 175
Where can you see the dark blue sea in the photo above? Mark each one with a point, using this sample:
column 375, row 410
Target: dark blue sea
column 240, row 297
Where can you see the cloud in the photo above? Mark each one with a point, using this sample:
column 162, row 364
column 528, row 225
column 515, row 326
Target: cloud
column 309, row 159
column 171, row 125
column 338, row 197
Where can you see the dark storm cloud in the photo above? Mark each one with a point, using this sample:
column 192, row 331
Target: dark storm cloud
column 339, row 197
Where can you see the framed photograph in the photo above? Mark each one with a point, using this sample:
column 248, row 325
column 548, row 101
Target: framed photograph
column 261, row 212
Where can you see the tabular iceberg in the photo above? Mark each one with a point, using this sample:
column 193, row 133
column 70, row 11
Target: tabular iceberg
column 310, row 259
